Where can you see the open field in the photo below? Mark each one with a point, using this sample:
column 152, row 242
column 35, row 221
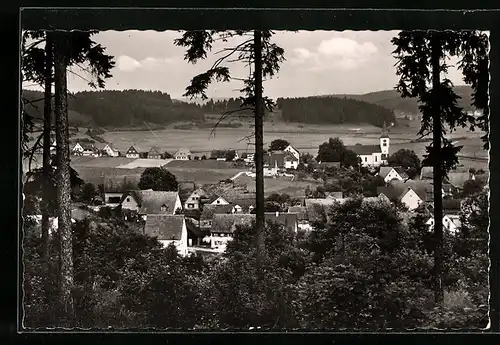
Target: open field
column 144, row 163
column 199, row 164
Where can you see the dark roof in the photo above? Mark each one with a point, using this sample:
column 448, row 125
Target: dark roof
column 209, row 210
column 451, row 204
column 288, row 220
column 154, row 151
column 226, row 223
column 150, row 201
column 290, row 157
column 329, row 165
column 390, row 192
column 245, row 202
column 364, row 149
column 165, row 227
column 132, row 150
column 300, row 211
column 273, row 158
column 193, row 228
column 194, row 214
column 424, row 189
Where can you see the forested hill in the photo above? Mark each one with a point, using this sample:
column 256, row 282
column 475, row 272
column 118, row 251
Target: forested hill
column 128, row 108
column 333, row 110
column 391, row 99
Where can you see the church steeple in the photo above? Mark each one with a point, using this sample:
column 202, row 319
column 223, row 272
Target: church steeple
column 384, row 132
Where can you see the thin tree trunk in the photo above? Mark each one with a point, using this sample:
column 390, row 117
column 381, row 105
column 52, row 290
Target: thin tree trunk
column 259, row 152
column 61, row 42
column 47, row 168
column 437, row 172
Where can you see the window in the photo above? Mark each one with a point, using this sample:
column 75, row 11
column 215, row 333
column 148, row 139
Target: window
column 128, row 199
column 384, row 144
column 190, row 205
column 163, row 208
column 366, row 159
column 218, row 201
column 375, row 158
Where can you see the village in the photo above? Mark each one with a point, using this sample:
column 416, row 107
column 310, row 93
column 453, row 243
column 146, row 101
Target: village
column 200, row 218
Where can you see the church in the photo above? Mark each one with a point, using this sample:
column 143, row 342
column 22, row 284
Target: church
column 373, row 155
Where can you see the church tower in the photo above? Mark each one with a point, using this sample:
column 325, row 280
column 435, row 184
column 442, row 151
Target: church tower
column 384, row 143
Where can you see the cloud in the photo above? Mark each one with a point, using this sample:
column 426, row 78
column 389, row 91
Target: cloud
column 346, row 48
column 127, row 64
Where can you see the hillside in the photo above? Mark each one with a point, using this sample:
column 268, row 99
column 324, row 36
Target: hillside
column 333, row 110
column 391, row 99
column 118, row 109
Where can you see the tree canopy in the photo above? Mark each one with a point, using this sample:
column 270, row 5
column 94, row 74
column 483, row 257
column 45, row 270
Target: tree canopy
column 278, row 145
column 158, row 179
column 334, row 150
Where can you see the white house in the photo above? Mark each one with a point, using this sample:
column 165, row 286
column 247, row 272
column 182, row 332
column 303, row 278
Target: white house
column 411, row 199
column 293, row 151
column 183, row 154
column 218, row 200
column 193, row 200
column 85, row 149
column 147, row 202
column 451, row 222
column 302, row 219
column 168, row 229
column 412, row 195
column 373, row 155
column 77, row 149
column 111, row 151
column 392, row 173
column 132, row 152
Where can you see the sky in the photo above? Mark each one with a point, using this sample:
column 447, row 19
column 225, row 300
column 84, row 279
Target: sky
column 317, row 63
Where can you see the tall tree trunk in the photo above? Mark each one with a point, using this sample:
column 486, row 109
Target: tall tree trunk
column 61, row 43
column 259, row 152
column 47, row 168
column 436, row 52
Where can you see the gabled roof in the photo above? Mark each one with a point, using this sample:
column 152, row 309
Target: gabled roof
column 210, row 210
column 384, row 171
column 165, row 227
column 402, row 172
column 150, row 202
column 290, row 157
column 88, row 146
column 291, row 146
column 190, row 226
column 182, row 151
column 390, row 192
column 132, row 150
column 288, row 220
column 424, row 189
column 455, row 219
column 227, row 223
column 244, row 203
column 364, row 149
column 275, row 158
column 154, row 151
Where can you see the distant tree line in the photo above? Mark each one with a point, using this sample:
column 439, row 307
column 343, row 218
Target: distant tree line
column 333, row 110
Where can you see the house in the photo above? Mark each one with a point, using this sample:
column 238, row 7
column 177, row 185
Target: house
column 288, row 220
column 373, row 155
column 154, row 153
column 147, row 202
column 193, row 200
column 217, row 200
column 77, row 149
column 132, row 152
column 109, row 150
column 290, row 160
column 208, row 213
column 185, row 189
column 224, row 226
column 85, row 149
column 302, row 218
column 182, row 154
column 411, row 194
column 168, row 229
column 392, row 173
column 451, row 222
column 115, row 186
column 221, row 155
column 249, row 158
column 243, row 204
column 293, row 151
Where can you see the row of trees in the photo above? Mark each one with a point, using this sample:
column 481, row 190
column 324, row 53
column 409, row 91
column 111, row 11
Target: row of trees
column 333, row 110
column 362, row 269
